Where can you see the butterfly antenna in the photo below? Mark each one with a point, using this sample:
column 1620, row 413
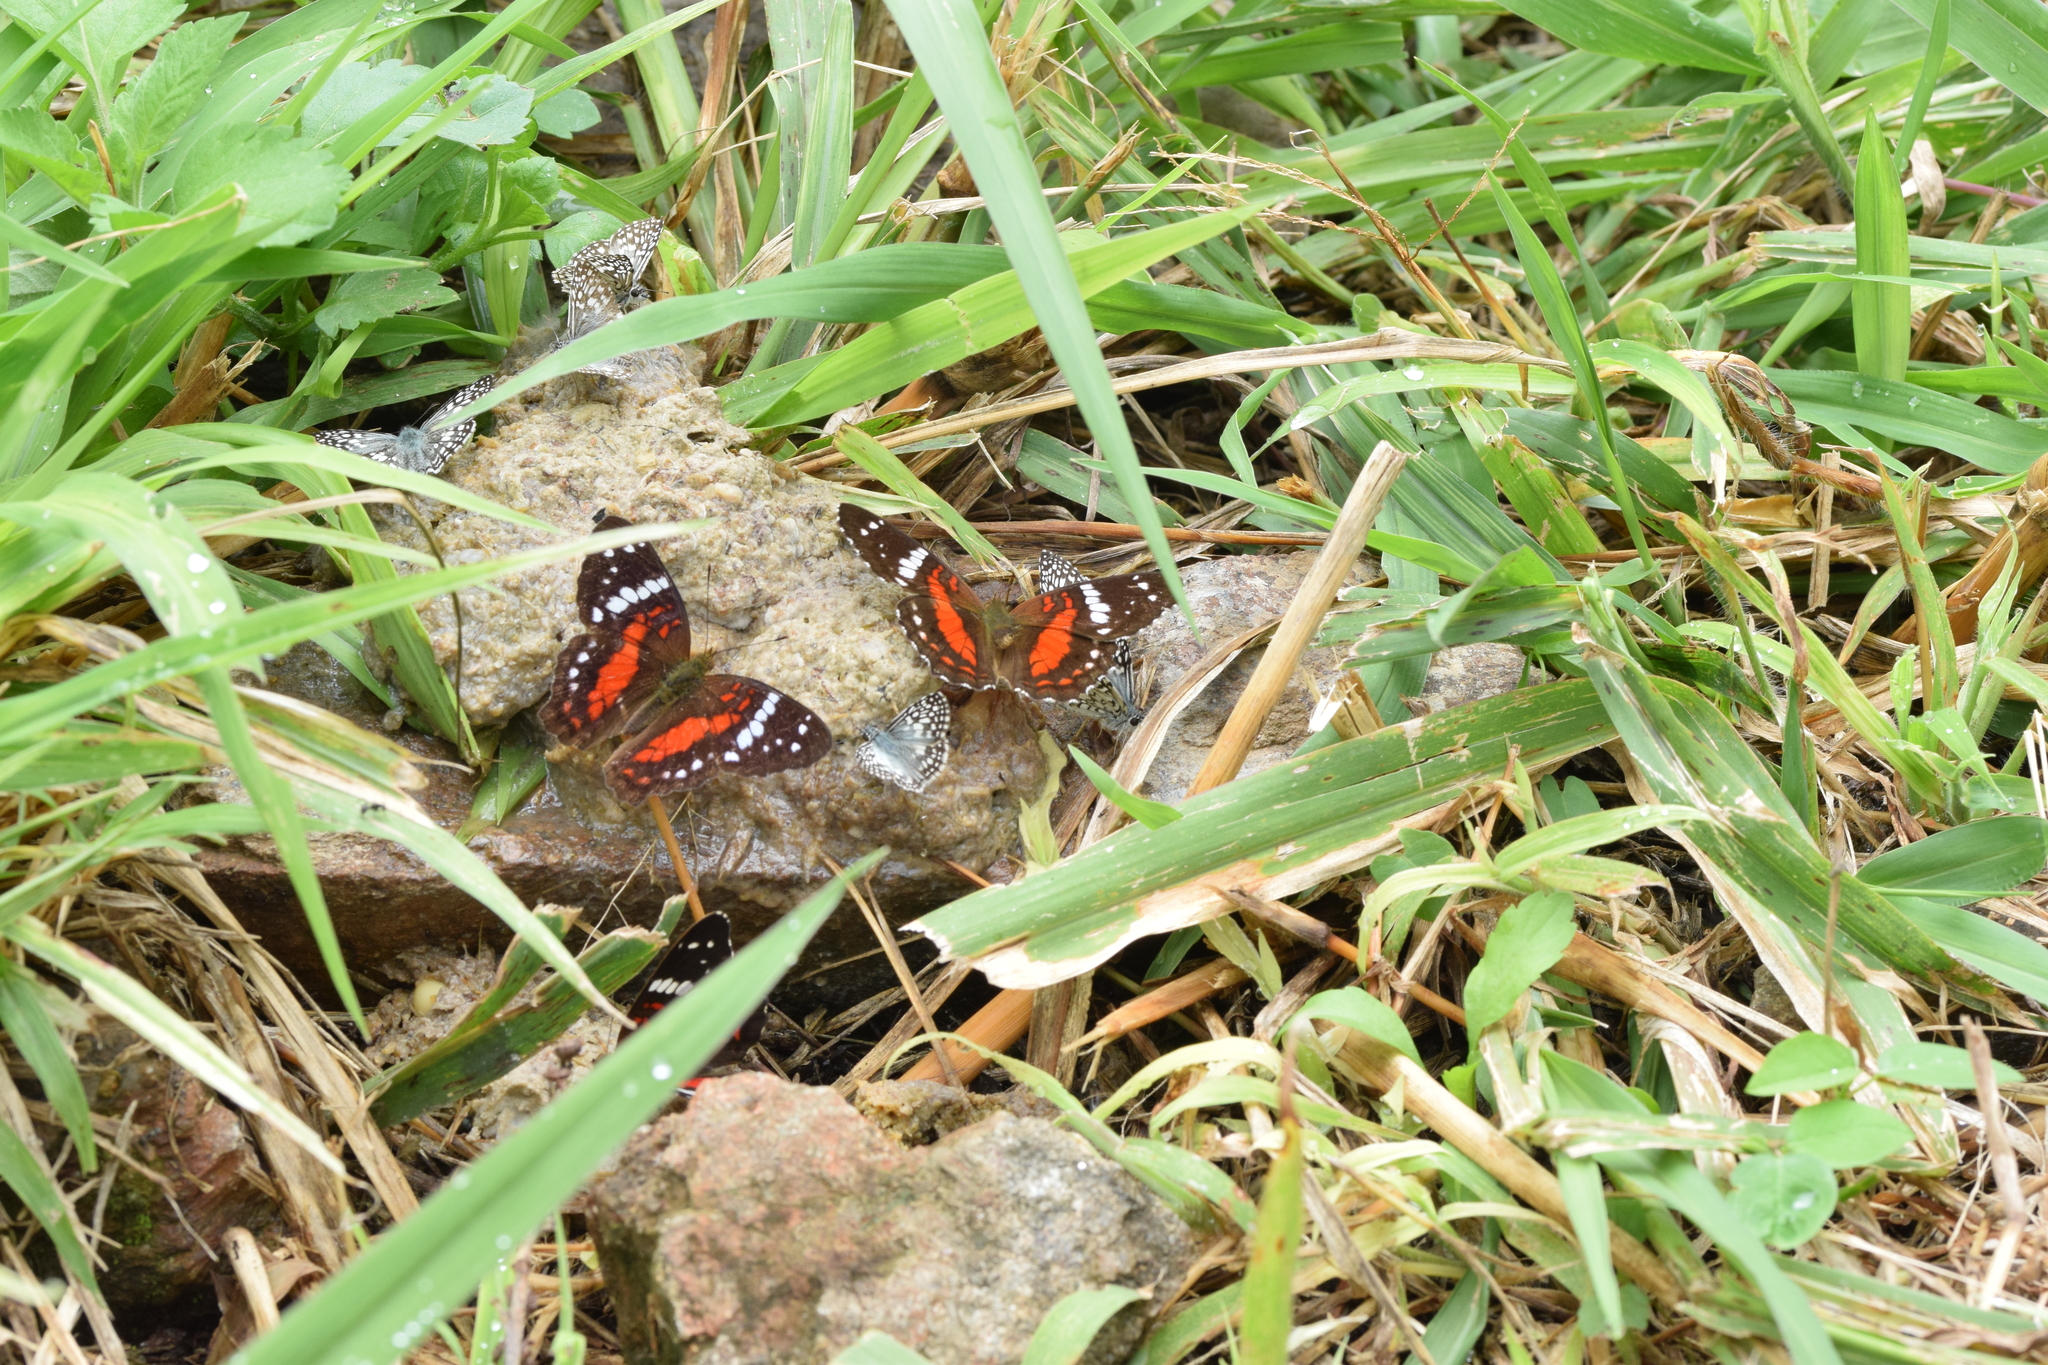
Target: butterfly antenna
column 675, row 856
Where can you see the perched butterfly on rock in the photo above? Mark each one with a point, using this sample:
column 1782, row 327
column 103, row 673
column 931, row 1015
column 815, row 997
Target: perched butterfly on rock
column 911, row 749
column 424, row 449
column 701, row 948
column 1052, row 646
column 601, row 281
column 632, row 674
column 1114, row 699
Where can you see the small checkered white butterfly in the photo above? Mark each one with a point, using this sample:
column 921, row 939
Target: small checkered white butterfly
column 601, row 282
column 911, row 749
column 1114, row 698
column 424, row 449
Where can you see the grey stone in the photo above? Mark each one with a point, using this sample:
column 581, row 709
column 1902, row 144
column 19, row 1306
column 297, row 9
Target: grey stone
column 771, row 587
column 771, row 1223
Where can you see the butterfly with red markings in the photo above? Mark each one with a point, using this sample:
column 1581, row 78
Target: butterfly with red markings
column 632, row 674
column 1054, row 645
column 703, row 947
column 1114, row 698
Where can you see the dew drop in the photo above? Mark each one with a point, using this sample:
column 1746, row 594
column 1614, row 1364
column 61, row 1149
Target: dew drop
column 662, row 1071
column 1856, row 389
column 196, row 562
column 1412, row 371
column 216, row 607
column 1802, row 1202
column 1912, row 402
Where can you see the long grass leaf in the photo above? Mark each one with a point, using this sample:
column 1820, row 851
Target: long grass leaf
column 952, row 50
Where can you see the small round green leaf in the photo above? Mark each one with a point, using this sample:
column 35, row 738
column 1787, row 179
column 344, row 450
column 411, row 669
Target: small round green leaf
column 1805, row 1061
column 1937, row 1066
column 1784, row 1199
column 1844, row 1133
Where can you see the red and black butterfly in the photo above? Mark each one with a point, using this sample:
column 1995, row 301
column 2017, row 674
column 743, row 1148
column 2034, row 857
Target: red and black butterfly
column 705, row 945
column 632, row 674
column 1054, row 645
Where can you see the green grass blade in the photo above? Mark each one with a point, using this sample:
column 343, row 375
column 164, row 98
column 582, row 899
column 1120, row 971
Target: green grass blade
column 31, row 1183
column 29, row 1028
column 952, row 50
column 885, row 465
column 1556, row 304
column 1269, row 1278
column 1883, row 311
column 1069, row 1327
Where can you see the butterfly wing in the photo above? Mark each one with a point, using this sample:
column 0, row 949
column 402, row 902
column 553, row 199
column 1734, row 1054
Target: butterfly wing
column 943, row 616
column 636, row 630
column 1065, row 638
column 441, row 438
column 1056, row 572
column 381, row 446
column 727, row 724
column 1113, row 699
column 635, row 242
column 703, row 948
column 912, row 749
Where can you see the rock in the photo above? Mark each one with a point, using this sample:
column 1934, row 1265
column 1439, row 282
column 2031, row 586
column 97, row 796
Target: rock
column 770, row 1222
column 771, row 586
column 157, row 1256
column 1466, row 673
column 1232, row 594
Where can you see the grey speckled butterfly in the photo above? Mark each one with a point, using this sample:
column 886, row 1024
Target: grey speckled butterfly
column 423, row 449
column 911, row 749
column 599, row 283
column 1114, row 698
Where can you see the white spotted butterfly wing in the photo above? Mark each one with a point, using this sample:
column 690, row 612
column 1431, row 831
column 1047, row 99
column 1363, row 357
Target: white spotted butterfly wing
column 912, row 749
column 631, row 671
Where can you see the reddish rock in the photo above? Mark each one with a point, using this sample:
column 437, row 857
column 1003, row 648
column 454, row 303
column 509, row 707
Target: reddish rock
column 157, row 1262
column 772, row 1223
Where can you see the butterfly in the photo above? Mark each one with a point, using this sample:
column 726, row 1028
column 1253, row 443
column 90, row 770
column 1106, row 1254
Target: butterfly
column 424, row 449
column 911, row 749
column 600, row 281
column 1114, row 699
column 1052, row 646
column 632, row 674
column 703, row 947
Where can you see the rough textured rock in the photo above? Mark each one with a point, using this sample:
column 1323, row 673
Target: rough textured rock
column 157, row 1262
column 1232, row 594
column 772, row 1223
column 1465, row 673
column 771, row 586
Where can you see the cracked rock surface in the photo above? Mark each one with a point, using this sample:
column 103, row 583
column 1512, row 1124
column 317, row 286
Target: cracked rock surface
column 772, row 1223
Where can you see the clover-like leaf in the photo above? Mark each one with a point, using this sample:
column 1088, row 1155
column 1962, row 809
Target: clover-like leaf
column 373, row 294
column 1805, row 1061
column 1784, row 1199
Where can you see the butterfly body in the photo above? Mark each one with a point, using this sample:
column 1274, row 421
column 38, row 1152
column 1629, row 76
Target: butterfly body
column 910, row 750
column 1052, row 646
column 424, row 449
column 632, row 673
